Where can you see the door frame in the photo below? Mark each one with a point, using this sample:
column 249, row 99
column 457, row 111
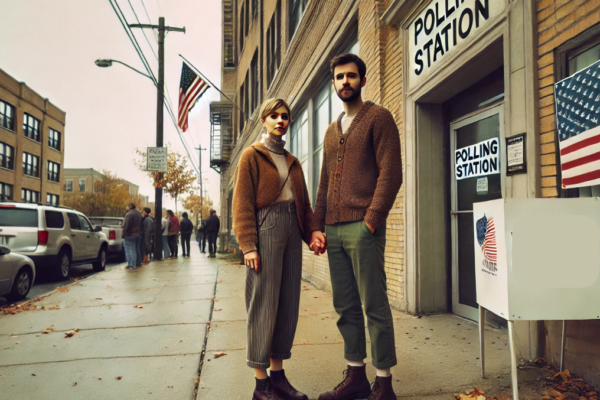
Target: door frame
column 457, row 308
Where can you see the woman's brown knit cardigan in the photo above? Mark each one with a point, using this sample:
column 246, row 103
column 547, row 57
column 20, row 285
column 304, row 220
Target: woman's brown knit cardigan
column 257, row 186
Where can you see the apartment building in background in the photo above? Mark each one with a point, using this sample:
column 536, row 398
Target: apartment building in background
column 32, row 143
column 85, row 180
column 453, row 73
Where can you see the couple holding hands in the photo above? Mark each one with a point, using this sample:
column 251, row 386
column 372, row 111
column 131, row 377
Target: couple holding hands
column 360, row 177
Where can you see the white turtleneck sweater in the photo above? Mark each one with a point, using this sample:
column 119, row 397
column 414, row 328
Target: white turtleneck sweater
column 278, row 154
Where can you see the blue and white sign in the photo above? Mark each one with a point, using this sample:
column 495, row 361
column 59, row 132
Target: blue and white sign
column 480, row 159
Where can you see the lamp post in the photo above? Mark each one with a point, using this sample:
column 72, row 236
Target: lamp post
column 160, row 99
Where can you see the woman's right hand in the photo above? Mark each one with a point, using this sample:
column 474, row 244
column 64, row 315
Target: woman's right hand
column 252, row 260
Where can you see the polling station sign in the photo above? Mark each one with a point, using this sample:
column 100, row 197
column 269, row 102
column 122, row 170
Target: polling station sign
column 479, row 159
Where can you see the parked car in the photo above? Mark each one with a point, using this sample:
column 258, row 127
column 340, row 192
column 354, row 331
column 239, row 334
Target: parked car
column 17, row 274
column 54, row 237
column 112, row 227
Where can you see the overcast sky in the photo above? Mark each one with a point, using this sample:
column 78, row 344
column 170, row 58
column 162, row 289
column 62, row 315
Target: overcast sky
column 52, row 46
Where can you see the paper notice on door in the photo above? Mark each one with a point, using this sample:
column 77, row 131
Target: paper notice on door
column 482, row 185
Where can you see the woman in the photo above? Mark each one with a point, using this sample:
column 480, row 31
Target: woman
column 173, row 233
column 271, row 216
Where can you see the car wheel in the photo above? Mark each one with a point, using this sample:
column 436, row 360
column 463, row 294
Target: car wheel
column 100, row 263
column 64, row 265
column 21, row 285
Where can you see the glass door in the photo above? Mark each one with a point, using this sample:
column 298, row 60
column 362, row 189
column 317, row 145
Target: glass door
column 476, row 176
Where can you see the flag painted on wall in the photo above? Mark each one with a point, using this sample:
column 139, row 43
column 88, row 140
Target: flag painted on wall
column 577, row 102
column 191, row 88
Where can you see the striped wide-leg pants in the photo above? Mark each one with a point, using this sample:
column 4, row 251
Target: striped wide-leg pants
column 273, row 294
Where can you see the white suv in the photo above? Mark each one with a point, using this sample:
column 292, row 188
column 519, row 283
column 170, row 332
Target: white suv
column 53, row 237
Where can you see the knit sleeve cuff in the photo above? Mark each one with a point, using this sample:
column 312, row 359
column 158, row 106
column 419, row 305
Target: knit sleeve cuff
column 248, row 248
column 374, row 219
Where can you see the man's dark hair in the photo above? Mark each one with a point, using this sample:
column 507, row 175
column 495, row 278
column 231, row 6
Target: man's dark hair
column 130, row 205
column 147, row 209
column 184, row 215
column 212, row 212
column 347, row 58
column 170, row 213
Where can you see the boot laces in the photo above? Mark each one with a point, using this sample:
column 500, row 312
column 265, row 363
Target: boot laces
column 346, row 375
column 376, row 391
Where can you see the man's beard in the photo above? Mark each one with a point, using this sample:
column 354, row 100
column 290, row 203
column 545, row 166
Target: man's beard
column 355, row 94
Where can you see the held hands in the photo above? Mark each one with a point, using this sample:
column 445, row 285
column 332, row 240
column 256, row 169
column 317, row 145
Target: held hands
column 252, row 260
column 318, row 243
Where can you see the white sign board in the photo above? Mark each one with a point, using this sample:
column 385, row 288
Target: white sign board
column 538, row 259
column 156, row 159
column 479, row 159
column 443, row 27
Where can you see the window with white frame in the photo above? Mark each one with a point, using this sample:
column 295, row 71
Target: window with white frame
column 7, row 156
column 6, row 191
column 30, row 196
column 274, row 44
column 297, row 9
column 52, row 199
column 299, row 140
column 31, row 165
column 31, row 127
column 53, row 171
column 54, row 139
column 69, row 185
column 82, row 185
column 7, row 115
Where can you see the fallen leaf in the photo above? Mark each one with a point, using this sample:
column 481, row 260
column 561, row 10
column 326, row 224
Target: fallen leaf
column 217, row 355
column 71, row 333
column 217, row 309
column 48, row 330
column 75, row 384
column 119, row 378
column 221, row 281
column 212, row 298
column 138, row 306
column 62, row 289
column 196, row 379
column 40, row 298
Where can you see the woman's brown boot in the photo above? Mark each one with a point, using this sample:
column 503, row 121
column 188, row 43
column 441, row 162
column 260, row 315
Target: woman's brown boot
column 355, row 385
column 282, row 386
column 264, row 391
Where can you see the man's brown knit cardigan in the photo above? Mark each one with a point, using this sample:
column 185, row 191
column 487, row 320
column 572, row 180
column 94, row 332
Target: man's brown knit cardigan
column 257, row 186
column 362, row 170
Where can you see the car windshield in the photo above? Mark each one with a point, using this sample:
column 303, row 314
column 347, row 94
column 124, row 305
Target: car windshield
column 20, row 217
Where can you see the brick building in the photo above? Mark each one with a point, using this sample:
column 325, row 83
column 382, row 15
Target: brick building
column 453, row 73
column 32, row 142
column 85, row 180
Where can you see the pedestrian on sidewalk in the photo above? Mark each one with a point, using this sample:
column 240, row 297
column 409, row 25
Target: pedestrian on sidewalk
column 186, row 228
column 131, row 235
column 201, row 236
column 173, row 233
column 213, row 226
column 148, row 234
column 164, row 224
column 272, row 215
column 361, row 175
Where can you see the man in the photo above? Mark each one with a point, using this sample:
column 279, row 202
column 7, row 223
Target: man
column 201, row 236
column 361, row 175
column 186, row 228
column 173, row 233
column 164, row 224
column 131, row 238
column 147, row 234
column 213, row 226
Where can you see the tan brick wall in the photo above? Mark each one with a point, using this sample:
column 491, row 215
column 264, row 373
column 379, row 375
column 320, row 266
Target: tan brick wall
column 558, row 22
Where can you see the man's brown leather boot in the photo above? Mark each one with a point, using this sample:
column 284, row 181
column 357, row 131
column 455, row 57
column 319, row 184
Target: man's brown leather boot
column 382, row 389
column 264, row 391
column 354, row 386
column 280, row 383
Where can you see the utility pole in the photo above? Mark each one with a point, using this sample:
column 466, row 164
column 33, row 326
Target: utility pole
column 200, row 150
column 160, row 99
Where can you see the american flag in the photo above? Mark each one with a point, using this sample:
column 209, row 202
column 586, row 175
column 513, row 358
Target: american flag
column 190, row 90
column 486, row 236
column 577, row 101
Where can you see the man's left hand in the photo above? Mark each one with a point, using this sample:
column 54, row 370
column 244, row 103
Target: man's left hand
column 370, row 227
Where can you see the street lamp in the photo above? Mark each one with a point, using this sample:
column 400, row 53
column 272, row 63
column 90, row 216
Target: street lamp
column 105, row 63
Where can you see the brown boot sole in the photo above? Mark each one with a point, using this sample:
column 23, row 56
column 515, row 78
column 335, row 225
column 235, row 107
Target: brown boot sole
column 353, row 397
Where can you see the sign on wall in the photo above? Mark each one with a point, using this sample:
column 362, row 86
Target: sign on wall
column 443, row 27
column 156, row 159
column 479, row 159
column 515, row 155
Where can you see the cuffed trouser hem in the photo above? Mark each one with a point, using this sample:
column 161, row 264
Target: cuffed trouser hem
column 260, row 365
column 285, row 356
column 355, row 357
column 385, row 364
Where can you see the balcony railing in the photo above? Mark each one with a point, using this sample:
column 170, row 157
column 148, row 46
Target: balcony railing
column 221, row 129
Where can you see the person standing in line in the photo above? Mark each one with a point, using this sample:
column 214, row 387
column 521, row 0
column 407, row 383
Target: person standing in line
column 187, row 228
column 148, row 228
column 201, row 236
column 213, row 227
column 272, row 214
column 173, row 233
column 361, row 175
column 131, row 232
column 164, row 224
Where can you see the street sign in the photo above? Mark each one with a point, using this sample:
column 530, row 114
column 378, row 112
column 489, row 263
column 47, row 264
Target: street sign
column 156, row 159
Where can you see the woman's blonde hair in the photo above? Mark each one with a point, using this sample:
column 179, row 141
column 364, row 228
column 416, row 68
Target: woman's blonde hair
column 271, row 105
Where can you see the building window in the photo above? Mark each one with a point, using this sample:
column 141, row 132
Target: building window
column 7, row 116
column 54, row 139
column 31, row 165
column 31, row 127
column 30, row 196
column 254, row 9
column 274, row 44
column 53, row 171
column 242, row 27
column 82, row 185
column 228, row 34
column 297, row 8
column 246, row 98
column 299, row 140
column 69, row 185
column 6, row 191
column 242, row 116
column 7, row 156
column 255, row 82
column 52, row 199
column 247, row 16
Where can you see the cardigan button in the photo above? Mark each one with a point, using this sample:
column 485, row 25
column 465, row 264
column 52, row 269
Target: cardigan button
column 337, row 176
column 342, row 141
column 339, row 159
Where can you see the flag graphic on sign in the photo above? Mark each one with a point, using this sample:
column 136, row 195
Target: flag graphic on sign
column 486, row 237
column 577, row 102
column 191, row 88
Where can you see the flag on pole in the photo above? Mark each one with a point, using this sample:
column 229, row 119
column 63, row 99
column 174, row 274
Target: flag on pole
column 191, row 88
column 577, row 101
